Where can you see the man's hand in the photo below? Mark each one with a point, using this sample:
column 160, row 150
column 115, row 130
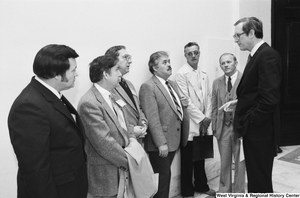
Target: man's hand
column 185, row 101
column 163, row 150
column 140, row 131
column 228, row 106
column 206, row 122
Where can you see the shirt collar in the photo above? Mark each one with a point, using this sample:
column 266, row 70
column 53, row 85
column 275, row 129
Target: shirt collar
column 232, row 76
column 103, row 91
column 54, row 91
column 163, row 81
column 255, row 48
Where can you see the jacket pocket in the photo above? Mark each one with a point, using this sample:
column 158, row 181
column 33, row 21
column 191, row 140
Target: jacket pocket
column 63, row 175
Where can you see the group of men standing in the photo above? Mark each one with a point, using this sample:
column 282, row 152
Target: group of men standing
column 62, row 153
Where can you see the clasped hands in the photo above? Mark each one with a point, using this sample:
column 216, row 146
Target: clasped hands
column 140, row 131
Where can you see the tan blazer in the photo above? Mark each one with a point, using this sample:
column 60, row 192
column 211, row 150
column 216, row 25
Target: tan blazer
column 163, row 122
column 219, row 93
column 104, row 145
column 188, row 86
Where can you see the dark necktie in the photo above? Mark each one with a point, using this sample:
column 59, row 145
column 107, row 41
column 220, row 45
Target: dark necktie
column 178, row 108
column 229, row 85
column 127, row 90
column 71, row 110
column 249, row 58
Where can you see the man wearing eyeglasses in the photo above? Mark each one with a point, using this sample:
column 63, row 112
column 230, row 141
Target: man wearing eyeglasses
column 256, row 117
column 194, row 84
column 136, row 118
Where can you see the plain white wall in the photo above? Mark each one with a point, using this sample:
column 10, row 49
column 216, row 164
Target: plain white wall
column 91, row 27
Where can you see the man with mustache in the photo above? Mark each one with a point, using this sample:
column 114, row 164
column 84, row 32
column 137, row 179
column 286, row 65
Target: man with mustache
column 194, row 85
column 164, row 110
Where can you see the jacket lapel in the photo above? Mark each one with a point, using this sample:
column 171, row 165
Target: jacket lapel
column 109, row 111
column 66, row 110
column 193, row 80
column 165, row 93
column 52, row 98
column 125, row 97
column 250, row 63
column 223, row 89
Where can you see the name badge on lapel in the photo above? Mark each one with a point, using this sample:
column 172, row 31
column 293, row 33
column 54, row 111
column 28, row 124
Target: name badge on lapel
column 121, row 103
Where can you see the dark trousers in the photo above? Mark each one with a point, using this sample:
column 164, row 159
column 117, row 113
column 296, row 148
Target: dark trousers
column 188, row 167
column 259, row 157
column 162, row 165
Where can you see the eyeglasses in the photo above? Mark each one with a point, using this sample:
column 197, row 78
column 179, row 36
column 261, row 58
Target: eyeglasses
column 193, row 53
column 127, row 57
column 237, row 36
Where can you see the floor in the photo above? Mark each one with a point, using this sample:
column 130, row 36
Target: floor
column 286, row 175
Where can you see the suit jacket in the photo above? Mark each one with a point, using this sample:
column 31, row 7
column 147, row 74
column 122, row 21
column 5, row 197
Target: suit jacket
column 49, row 145
column 188, row 86
column 163, row 122
column 135, row 115
column 105, row 143
column 219, row 97
column 259, row 94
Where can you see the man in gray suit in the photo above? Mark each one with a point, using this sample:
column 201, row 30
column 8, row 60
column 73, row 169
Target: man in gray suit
column 224, row 90
column 161, row 104
column 126, row 91
column 106, row 128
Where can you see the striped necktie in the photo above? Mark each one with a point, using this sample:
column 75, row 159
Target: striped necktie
column 178, row 108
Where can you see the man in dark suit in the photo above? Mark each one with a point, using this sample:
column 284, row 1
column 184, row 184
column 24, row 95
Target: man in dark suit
column 161, row 104
column 104, row 119
column 126, row 91
column 224, row 90
column 46, row 132
column 257, row 111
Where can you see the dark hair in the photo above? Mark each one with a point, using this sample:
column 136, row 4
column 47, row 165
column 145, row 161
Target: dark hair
column 114, row 51
column 53, row 60
column 234, row 58
column 153, row 61
column 99, row 65
column 252, row 23
column 190, row 44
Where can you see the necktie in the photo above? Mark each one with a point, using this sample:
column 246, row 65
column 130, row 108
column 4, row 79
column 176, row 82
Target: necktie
column 71, row 110
column 229, row 85
column 118, row 112
column 127, row 90
column 249, row 58
column 178, row 108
